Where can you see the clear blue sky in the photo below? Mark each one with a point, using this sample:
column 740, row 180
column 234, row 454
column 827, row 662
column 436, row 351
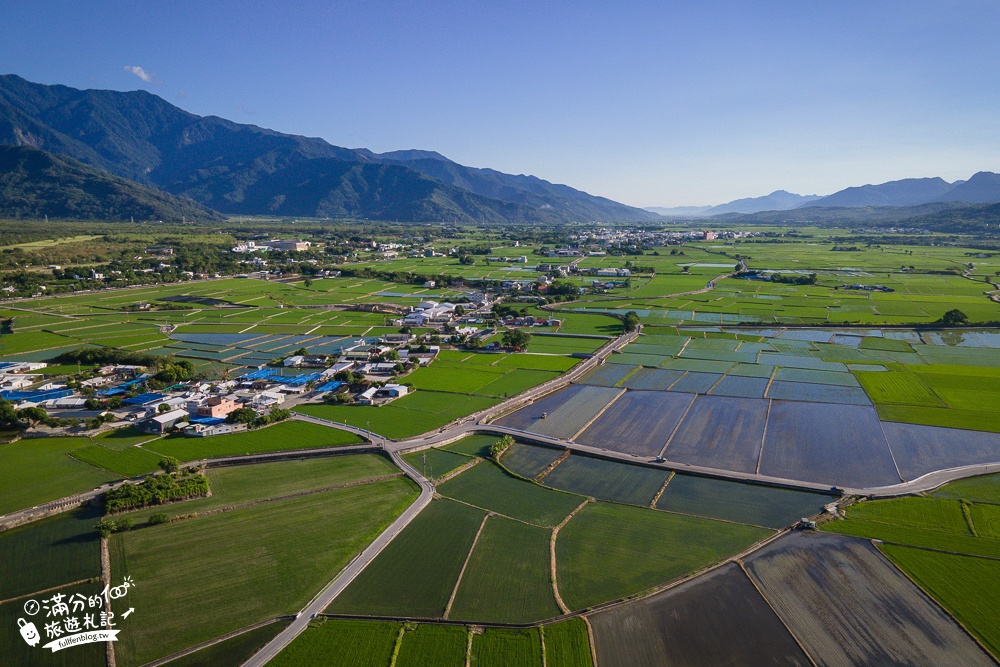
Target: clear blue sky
column 649, row 103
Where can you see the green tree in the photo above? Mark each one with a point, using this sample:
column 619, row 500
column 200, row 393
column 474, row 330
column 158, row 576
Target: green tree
column 515, row 339
column 500, row 446
column 241, row 416
column 631, row 321
column 170, row 464
column 954, row 318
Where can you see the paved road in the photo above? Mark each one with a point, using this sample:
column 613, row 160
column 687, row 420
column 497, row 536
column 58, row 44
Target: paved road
column 335, row 587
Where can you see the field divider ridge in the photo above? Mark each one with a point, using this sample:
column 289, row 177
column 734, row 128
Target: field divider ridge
column 552, row 466
column 881, row 427
column 212, row 642
column 552, row 556
column 599, row 413
column 763, row 434
column 461, row 573
column 42, row 592
column 753, row 582
column 458, row 471
column 930, row 597
column 677, row 427
column 652, row 503
column 590, row 640
column 397, row 645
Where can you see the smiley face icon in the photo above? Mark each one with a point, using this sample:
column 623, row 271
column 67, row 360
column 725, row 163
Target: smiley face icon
column 29, row 632
column 31, row 607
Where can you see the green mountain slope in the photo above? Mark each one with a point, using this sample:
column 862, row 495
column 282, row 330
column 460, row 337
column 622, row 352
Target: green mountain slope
column 35, row 184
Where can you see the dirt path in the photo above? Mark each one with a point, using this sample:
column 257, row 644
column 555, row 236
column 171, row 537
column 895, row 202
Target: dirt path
column 552, row 556
column 468, row 557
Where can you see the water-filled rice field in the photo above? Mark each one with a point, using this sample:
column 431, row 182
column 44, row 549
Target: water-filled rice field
column 638, row 422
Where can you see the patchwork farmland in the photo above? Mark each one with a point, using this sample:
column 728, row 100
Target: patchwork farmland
column 649, row 503
column 775, row 406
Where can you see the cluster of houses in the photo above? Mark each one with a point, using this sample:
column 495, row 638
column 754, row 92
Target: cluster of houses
column 867, row 288
column 15, row 375
column 200, row 409
column 275, row 244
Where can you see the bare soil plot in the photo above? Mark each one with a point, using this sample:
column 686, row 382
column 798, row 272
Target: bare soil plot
column 721, row 432
column 820, row 393
column 529, row 460
column 607, row 480
column 740, row 387
column 848, row 605
column 656, row 379
column 755, row 504
column 827, row 443
column 696, row 383
column 716, row 619
column 607, row 375
column 638, row 423
column 919, row 450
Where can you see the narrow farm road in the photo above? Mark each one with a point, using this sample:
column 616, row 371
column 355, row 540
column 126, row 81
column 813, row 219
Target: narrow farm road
column 353, row 569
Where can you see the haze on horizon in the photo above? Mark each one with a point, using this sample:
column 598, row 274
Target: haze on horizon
column 650, row 104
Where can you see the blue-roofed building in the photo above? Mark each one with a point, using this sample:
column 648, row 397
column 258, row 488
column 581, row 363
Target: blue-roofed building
column 144, row 399
column 333, row 385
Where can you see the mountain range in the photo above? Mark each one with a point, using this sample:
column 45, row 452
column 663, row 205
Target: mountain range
column 981, row 188
column 243, row 169
column 35, row 184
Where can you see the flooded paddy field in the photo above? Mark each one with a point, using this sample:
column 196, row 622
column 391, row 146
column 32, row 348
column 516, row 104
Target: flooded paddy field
column 720, row 432
column 848, row 605
column 637, row 423
column 827, row 443
column 919, row 450
column 686, row 626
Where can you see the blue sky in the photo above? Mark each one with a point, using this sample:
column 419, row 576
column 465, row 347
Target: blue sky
column 649, row 103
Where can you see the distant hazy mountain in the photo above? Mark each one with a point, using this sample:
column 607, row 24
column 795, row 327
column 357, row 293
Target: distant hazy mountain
column 907, row 192
column 245, row 169
column 982, row 188
column 678, row 211
column 779, row 200
column 35, row 184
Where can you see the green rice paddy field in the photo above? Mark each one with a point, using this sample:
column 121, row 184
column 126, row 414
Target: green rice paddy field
column 348, row 642
column 245, row 565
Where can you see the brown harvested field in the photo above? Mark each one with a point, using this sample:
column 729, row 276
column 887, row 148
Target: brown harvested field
column 826, row 443
column 716, row 619
column 922, row 449
column 637, row 423
column 721, row 432
column 848, row 605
